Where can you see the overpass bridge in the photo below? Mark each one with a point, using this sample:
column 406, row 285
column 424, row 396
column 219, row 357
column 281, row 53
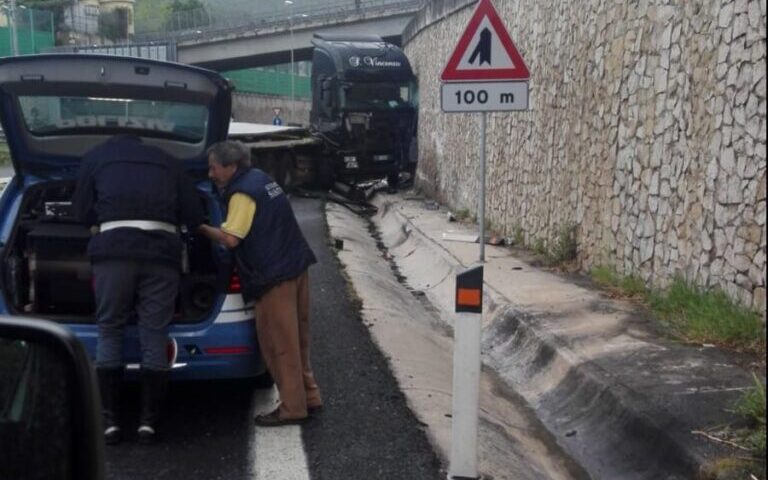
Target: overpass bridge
column 270, row 40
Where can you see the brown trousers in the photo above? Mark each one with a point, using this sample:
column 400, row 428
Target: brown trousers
column 282, row 324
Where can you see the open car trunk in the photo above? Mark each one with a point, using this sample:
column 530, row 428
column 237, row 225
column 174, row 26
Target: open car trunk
column 47, row 273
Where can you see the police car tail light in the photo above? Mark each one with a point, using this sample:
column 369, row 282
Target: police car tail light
column 171, row 351
column 233, row 350
column 234, row 283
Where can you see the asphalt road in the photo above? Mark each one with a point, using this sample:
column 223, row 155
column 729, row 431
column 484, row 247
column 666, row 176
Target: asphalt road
column 365, row 432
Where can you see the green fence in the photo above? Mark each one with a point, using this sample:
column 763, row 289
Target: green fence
column 34, row 32
column 267, row 82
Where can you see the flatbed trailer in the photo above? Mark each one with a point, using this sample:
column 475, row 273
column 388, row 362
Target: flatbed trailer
column 290, row 155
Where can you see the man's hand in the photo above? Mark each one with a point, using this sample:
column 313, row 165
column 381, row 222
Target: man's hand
column 219, row 236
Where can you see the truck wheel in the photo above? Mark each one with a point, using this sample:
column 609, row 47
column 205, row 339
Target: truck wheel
column 284, row 168
column 324, row 174
column 393, row 180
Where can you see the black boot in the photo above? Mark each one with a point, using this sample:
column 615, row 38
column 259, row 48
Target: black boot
column 153, row 386
column 110, row 385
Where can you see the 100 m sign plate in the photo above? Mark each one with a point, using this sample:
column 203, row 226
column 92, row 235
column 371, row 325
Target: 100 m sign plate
column 484, row 96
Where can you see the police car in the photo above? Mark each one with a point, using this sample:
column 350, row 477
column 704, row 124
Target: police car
column 54, row 108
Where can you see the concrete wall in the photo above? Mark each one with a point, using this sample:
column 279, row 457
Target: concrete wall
column 250, row 107
column 647, row 133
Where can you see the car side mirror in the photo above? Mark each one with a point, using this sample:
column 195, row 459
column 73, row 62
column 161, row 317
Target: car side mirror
column 50, row 411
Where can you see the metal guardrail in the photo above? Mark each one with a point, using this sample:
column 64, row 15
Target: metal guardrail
column 326, row 13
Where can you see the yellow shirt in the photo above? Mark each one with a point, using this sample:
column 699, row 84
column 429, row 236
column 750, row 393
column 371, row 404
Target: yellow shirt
column 240, row 213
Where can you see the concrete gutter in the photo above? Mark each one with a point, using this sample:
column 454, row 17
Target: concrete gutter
column 616, row 396
column 513, row 445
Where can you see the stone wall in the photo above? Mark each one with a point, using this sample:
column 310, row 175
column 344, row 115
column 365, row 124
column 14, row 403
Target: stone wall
column 646, row 133
column 251, row 107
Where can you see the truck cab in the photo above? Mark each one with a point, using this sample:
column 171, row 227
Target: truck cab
column 362, row 106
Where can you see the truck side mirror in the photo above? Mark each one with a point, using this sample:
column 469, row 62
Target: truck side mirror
column 325, row 95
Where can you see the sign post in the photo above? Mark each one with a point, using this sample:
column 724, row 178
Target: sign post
column 485, row 73
column 466, row 374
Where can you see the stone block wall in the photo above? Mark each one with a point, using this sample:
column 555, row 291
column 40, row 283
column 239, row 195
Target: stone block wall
column 646, row 133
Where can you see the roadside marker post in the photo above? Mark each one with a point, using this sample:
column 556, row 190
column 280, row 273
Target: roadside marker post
column 466, row 374
column 485, row 73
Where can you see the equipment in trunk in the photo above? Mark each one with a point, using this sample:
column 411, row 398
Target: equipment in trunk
column 47, row 271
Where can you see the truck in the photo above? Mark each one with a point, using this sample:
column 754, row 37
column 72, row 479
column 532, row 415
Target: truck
column 362, row 107
column 362, row 119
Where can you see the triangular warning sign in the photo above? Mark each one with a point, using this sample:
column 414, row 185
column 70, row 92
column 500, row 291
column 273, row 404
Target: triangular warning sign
column 485, row 51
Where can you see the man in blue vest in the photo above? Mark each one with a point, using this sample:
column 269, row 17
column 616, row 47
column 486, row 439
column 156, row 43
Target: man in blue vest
column 137, row 195
column 272, row 258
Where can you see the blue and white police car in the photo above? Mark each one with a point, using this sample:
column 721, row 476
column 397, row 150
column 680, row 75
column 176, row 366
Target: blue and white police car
column 54, row 108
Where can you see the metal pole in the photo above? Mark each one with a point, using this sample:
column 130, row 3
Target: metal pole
column 293, row 80
column 482, row 188
column 12, row 27
column 32, row 29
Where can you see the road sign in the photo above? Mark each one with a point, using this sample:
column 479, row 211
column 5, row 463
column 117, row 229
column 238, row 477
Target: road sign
column 485, row 51
column 484, row 97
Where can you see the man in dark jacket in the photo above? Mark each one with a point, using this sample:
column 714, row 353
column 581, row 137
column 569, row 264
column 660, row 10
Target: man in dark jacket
column 272, row 258
column 137, row 195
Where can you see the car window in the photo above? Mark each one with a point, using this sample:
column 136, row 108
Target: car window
column 62, row 115
column 35, row 413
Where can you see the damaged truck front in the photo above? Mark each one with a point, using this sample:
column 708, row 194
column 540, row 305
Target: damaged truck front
column 362, row 107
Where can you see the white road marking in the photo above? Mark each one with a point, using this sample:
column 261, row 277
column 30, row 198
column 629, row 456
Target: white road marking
column 278, row 452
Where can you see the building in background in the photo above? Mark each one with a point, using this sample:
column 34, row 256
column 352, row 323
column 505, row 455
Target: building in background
column 86, row 22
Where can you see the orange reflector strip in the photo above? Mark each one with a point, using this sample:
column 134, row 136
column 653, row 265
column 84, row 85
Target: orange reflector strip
column 468, row 297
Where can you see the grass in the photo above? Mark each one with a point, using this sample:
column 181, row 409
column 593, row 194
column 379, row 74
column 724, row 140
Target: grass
column 695, row 314
column 519, row 236
column 708, row 316
column 565, row 248
column 752, row 406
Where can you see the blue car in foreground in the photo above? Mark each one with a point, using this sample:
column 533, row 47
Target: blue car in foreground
column 54, row 108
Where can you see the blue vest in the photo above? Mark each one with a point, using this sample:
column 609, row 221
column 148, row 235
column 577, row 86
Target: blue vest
column 274, row 249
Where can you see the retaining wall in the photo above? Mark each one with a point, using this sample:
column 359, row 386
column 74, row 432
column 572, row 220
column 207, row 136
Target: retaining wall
column 646, row 134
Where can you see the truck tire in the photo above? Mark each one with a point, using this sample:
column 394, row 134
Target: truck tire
column 324, row 173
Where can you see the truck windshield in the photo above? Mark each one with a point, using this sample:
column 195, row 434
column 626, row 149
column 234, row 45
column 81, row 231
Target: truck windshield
column 377, row 96
column 54, row 115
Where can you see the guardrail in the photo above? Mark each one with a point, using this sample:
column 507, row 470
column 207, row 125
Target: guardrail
column 223, row 26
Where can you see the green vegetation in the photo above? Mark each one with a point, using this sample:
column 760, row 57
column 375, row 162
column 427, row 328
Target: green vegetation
column 565, row 248
column 463, row 215
column 752, row 406
column 518, row 236
column 695, row 314
column 708, row 316
column 630, row 286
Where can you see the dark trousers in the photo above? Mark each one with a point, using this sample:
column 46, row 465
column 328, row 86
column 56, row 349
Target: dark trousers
column 123, row 287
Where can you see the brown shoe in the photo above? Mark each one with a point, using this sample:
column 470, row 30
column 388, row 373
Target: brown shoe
column 273, row 419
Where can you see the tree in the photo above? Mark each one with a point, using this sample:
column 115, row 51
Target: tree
column 185, row 14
